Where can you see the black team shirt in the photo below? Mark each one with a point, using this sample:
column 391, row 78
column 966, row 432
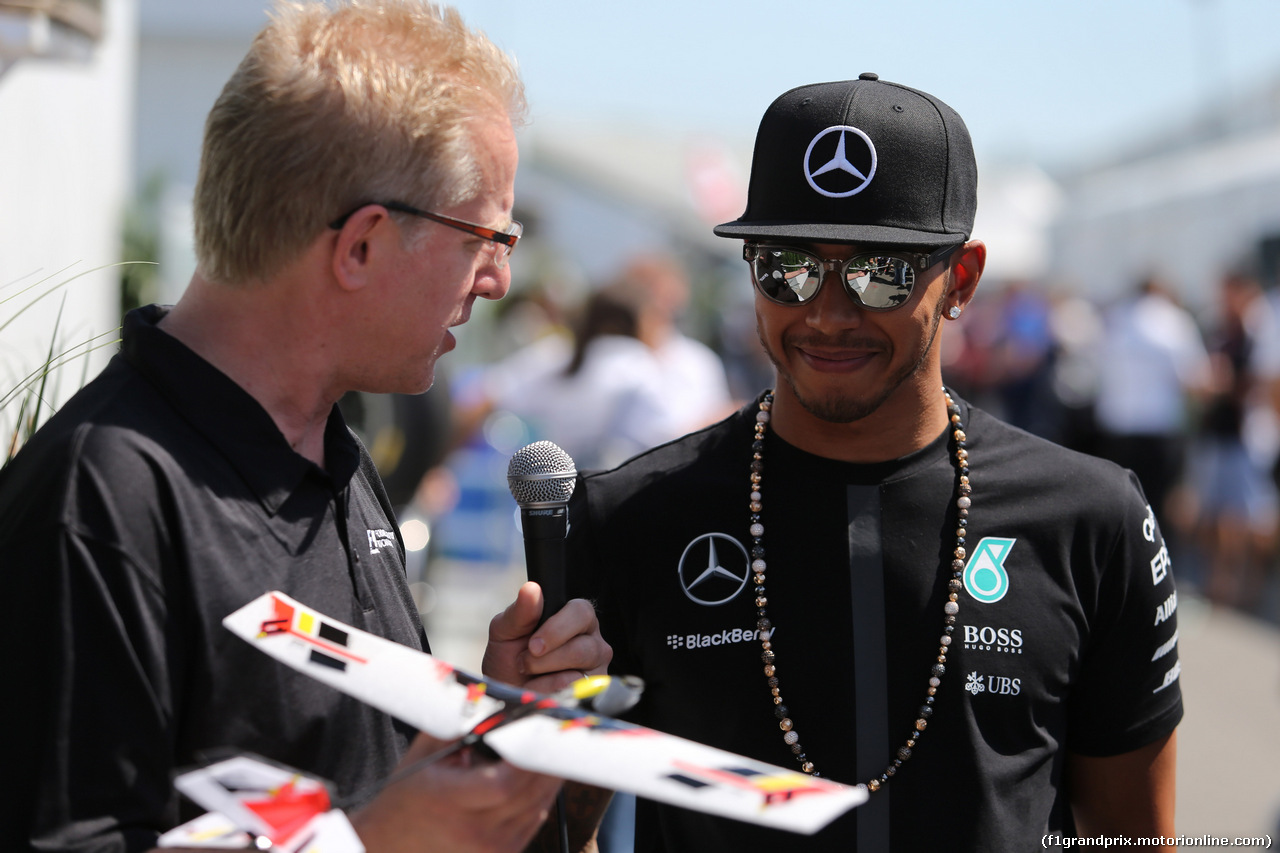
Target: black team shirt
column 1065, row 639
column 161, row 498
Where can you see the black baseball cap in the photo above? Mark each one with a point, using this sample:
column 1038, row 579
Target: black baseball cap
column 860, row 161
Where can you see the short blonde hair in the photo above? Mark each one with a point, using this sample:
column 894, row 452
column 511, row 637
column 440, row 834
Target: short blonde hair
column 334, row 107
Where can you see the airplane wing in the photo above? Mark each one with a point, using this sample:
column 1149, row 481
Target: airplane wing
column 249, row 798
column 609, row 753
column 424, row 691
column 559, row 739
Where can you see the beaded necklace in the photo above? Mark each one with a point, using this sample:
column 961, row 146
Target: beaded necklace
column 950, row 609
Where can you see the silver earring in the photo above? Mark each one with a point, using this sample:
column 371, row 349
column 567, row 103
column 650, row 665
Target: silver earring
column 954, row 313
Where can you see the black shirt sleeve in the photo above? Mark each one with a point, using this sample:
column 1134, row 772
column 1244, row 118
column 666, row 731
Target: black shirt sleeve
column 92, row 731
column 1127, row 694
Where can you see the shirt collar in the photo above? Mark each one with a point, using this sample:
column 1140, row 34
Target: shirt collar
column 232, row 421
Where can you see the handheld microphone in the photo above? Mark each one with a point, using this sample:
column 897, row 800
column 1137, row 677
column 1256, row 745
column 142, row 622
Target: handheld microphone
column 541, row 477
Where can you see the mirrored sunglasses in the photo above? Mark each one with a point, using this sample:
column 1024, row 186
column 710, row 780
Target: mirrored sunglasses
column 878, row 281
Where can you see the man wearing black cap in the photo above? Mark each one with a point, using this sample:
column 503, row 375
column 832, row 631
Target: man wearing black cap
column 859, row 574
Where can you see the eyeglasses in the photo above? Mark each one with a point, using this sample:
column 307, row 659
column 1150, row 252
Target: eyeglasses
column 877, row 281
column 504, row 241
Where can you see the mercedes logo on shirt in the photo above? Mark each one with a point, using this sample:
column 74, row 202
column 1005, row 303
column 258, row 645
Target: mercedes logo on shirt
column 713, row 569
column 840, row 161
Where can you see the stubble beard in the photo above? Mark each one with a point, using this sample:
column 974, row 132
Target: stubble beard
column 848, row 409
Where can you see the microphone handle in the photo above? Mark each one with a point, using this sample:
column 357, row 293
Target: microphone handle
column 544, row 553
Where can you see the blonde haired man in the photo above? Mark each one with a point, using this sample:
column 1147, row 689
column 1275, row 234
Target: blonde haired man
column 354, row 200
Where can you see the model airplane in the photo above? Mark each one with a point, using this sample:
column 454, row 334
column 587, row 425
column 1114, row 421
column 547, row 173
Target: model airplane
column 250, row 799
column 568, row 734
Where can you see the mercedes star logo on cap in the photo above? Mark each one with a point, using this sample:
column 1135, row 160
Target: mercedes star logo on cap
column 839, row 164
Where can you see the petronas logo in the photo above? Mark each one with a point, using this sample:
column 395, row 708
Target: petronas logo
column 984, row 576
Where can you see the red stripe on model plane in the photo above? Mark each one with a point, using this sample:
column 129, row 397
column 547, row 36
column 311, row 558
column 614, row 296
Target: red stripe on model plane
column 282, row 623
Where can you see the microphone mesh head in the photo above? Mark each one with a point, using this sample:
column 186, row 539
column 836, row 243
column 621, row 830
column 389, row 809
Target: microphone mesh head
column 541, row 473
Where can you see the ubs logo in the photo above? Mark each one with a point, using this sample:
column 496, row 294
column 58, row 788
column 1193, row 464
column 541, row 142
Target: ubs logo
column 996, row 685
column 713, row 569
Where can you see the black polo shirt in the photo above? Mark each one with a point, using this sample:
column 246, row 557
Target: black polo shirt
column 158, row 500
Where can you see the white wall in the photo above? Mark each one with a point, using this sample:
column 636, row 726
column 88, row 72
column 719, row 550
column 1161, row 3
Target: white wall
column 1187, row 216
column 65, row 139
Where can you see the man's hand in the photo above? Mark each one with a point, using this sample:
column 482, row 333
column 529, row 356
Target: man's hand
column 462, row 803
column 566, row 647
